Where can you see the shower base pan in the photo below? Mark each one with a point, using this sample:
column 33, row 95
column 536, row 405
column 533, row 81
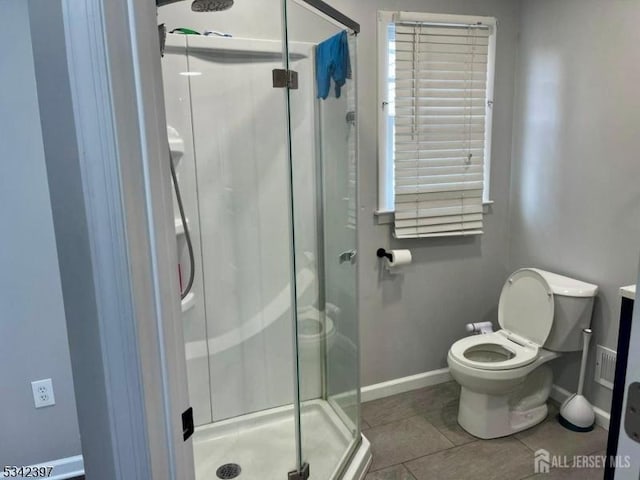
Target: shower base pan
column 262, row 444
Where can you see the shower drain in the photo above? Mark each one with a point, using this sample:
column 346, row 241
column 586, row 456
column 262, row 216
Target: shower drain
column 228, row 470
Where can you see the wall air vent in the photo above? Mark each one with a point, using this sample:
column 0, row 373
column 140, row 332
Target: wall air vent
column 605, row 366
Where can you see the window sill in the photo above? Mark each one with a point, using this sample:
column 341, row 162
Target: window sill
column 486, row 206
column 385, row 217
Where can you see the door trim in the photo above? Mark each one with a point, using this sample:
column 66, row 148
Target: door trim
column 130, row 388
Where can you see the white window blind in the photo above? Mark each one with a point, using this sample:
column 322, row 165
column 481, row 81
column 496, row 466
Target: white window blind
column 441, row 105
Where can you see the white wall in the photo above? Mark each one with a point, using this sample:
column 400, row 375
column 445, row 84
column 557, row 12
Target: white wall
column 32, row 317
column 575, row 203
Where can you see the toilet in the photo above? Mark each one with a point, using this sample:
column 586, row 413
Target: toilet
column 505, row 375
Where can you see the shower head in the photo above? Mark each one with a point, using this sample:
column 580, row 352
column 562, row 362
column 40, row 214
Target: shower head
column 211, row 5
column 202, row 5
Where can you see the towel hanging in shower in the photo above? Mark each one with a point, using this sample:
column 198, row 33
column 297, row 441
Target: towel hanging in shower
column 332, row 61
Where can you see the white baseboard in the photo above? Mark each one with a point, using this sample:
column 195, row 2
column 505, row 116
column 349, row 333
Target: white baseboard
column 404, row 384
column 435, row 377
column 559, row 394
column 63, row 468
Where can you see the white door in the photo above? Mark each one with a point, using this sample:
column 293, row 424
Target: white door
column 629, row 447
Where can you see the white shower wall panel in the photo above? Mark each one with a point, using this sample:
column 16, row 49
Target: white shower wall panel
column 178, row 109
column 239, row 124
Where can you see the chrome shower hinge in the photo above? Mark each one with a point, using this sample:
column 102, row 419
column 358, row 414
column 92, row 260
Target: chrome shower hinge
column 303, row 474
column 285, row 78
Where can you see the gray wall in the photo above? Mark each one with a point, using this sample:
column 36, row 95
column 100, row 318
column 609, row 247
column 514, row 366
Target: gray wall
column 32, row 325
column 575, row 202
column 408, row 322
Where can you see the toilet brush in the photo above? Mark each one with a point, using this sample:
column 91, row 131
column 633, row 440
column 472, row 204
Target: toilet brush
column 576, row 413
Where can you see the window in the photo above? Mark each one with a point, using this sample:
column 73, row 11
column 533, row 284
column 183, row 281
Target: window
column 436, row 100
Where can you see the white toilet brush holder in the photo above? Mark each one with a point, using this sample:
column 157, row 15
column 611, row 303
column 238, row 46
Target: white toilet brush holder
column 576, row 413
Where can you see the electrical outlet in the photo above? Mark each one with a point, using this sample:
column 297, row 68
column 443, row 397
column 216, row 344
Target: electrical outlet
column 43, row 393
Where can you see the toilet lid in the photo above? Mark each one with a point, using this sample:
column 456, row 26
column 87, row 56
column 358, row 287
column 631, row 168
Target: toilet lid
column 526, row 306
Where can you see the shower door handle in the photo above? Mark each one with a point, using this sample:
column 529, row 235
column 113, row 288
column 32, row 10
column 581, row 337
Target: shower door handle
column 348, row 256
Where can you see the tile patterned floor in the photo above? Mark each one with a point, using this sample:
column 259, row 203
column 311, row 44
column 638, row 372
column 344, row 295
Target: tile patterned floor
column 415, row 436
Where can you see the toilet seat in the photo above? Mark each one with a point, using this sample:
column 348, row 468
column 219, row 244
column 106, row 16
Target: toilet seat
column 497, row 343
column 525, row 313
column 527, row 306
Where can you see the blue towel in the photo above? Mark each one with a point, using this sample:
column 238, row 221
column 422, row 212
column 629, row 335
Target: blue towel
column 332, row 61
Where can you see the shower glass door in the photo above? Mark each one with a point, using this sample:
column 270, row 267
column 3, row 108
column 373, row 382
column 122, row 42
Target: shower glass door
column 268, row 181
column 323, row 142
column 228, row 135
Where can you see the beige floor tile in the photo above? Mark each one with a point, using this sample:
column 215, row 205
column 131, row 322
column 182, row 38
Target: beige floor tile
column 405, row 405
column 500, row 459
column 573, row 473
column 404, row 440
column 558, row 440
column 570, row 474
column 397, row 472
column 445, row 419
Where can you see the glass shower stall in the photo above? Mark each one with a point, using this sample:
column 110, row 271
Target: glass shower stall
column 267, row 170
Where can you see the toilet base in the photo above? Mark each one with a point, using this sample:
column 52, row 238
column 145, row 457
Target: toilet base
column 490, row 415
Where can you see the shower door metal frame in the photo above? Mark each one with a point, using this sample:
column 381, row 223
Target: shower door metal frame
column 337, row 15
column 322, row 9
column 300, row 466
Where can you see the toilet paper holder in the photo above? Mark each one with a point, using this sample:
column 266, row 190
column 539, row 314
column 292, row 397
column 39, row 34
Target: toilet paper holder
column 382, row 253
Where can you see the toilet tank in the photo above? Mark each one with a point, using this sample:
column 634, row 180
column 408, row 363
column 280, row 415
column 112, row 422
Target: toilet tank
column 573, row 301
